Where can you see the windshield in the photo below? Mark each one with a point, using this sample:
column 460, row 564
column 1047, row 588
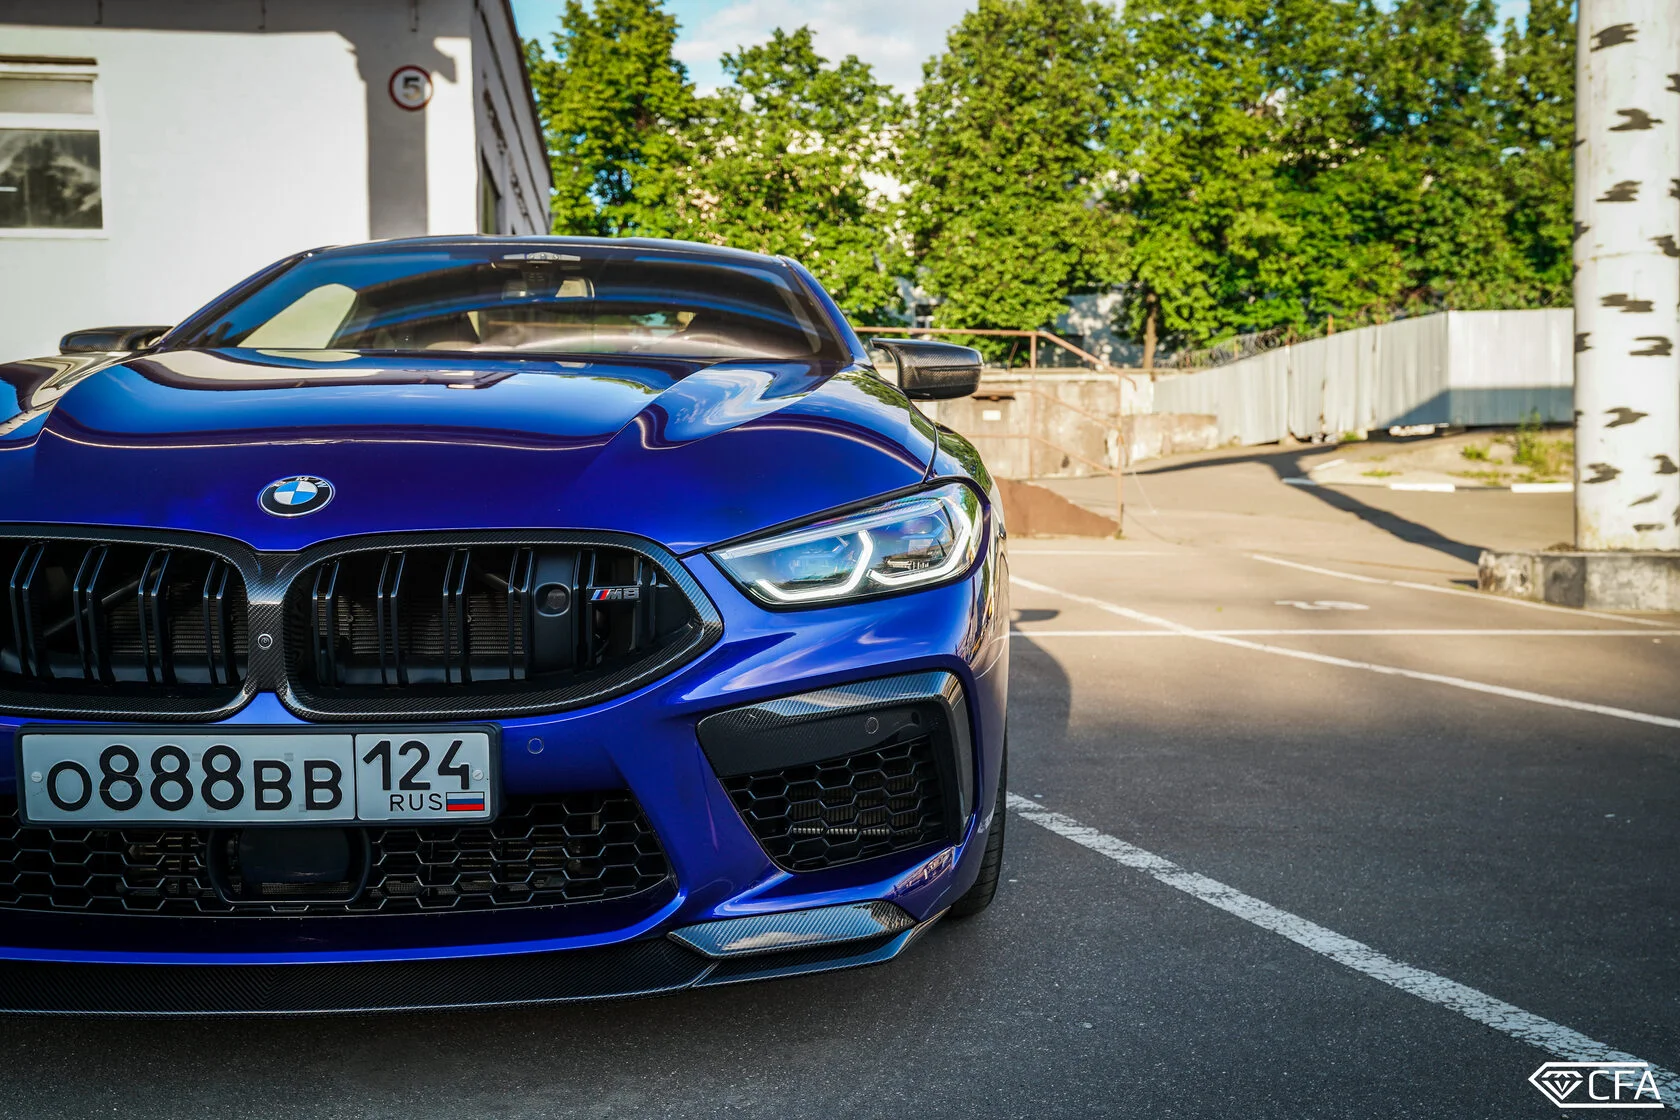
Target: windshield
column 505, row 297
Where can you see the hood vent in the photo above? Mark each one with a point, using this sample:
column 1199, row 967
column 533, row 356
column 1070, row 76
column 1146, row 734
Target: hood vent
column 114, row 619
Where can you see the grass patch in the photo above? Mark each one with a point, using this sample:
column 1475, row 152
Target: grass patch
column 1475, row 452
column 1380, row 473
column 1544, row 458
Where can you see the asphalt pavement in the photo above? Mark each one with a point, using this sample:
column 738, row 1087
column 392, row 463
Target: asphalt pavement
column 1303, row 827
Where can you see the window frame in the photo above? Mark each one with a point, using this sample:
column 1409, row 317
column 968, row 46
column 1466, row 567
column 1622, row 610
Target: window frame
column 94, row 122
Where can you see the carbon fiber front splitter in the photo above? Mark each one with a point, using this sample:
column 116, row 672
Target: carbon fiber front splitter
column 638, row 968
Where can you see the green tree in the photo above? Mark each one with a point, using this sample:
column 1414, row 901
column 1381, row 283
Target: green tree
column 1434, row 165
column 613, row 101
column 1288, row 161
column 1010, row 164
column 1201, row 146
column 796, row 156
column 1537, row 97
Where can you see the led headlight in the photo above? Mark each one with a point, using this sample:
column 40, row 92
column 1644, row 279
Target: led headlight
column 914, row 541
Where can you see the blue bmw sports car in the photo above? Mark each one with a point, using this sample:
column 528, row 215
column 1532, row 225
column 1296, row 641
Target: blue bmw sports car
column 472, row 621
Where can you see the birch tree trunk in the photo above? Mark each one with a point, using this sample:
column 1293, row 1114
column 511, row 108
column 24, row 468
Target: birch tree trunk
column 1627, row 279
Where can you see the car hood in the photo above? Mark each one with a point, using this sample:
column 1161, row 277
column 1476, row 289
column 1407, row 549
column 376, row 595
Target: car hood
column 684, row 453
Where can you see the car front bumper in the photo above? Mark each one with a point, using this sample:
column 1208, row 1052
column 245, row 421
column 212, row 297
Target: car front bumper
column 646, row 742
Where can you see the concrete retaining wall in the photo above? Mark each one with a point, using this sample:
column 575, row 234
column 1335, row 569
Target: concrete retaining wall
column 1072, row 417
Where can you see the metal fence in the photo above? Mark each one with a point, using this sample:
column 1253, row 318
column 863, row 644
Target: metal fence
column 1456, row 367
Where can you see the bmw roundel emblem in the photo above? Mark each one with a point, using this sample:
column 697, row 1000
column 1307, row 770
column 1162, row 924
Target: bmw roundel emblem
column 296, row 496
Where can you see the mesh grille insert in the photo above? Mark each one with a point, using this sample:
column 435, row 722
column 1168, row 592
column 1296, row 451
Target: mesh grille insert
column 847, row 809
column 575, row 847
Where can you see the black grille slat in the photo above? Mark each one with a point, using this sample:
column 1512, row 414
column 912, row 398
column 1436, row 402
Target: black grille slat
column 88, row 603
column 323, row 622
column 520, row 611
column 565, row 848
column 492, row 620
column 154, row 622
column 115, row 621
column 388, row 611
column 846, row 809
column 220, row 657
column 24, row 622
column 455, row 616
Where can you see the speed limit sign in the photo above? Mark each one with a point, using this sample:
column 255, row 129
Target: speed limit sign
column 411, row 88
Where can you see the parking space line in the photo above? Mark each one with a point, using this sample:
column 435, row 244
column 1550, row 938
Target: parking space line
column 1330, row 632
column 1017, row 550
column 1348, row 663
column 1554, row 1038
column 1481, row 596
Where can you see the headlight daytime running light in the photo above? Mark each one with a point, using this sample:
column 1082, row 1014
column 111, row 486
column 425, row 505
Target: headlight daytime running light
column 919, row 540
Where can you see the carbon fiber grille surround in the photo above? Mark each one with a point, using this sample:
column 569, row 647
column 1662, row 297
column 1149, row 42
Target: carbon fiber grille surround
column 574, row 847
column 842, row 810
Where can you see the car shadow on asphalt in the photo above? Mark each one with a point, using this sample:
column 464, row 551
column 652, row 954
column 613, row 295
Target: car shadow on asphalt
column 1040, row 698
column 1286, row 464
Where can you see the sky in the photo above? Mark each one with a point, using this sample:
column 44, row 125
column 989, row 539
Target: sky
column 893, row 36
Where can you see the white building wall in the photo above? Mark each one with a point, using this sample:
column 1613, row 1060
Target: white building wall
column 238, row 132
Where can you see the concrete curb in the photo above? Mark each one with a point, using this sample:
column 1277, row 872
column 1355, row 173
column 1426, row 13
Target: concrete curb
column 1604, row 581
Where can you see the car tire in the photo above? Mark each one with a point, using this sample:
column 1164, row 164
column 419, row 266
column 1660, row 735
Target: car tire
column 979, row 896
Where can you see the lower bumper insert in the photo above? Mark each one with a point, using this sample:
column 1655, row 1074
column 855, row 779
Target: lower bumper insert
column 728, row 951
column 799, row 929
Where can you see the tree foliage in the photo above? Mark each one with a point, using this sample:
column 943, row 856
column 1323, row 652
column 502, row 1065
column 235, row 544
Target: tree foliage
column 795, row 157
column 1227, row 165
column 1008, row 162
column 613, row 101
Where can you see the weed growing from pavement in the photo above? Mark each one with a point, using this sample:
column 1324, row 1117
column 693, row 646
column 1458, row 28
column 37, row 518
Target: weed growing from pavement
column 1475, row 452
column 1544, row 458
column 1380, row 473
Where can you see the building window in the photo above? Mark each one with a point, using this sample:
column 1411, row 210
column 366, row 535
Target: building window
column 490, row 211
column 49, row 149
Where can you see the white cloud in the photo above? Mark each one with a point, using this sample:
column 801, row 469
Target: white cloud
column 893, row 36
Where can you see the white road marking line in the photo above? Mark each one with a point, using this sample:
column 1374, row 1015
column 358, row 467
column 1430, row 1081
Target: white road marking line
column 1321, row 605
column 1325, row 466
column 1426, row 487
column 1554, row 1038
column 1332, row 632
column 1348, row 663
column 1478, row 595
column 1017, row 550
column 1294, row 481
column 1542, row 487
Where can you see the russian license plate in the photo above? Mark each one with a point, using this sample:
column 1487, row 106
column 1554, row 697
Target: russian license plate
column 133, row 776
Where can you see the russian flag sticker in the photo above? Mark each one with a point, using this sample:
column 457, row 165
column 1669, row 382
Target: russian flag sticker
column 464, row 802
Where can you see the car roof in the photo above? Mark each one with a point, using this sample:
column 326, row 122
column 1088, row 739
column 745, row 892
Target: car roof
column 723, row 253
